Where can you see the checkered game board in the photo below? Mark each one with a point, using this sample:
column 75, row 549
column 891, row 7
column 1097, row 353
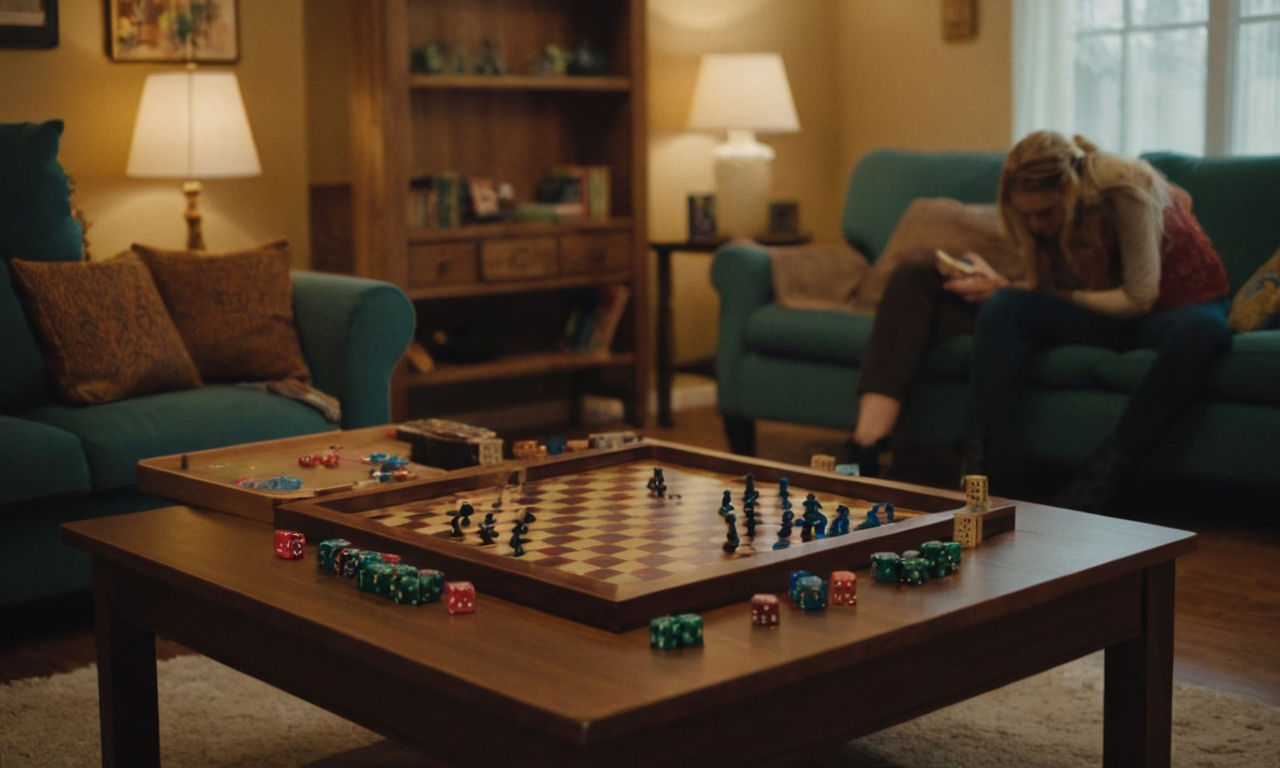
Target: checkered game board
column 605, row 525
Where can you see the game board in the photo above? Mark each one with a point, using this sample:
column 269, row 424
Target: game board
column 208, row 478
column 605, row 551
column 603, row 524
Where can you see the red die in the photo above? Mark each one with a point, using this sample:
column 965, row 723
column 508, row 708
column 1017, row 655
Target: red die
column 389, row 558
column 329, row 459
column 459, row 597
column 844, row 588
column 307, row 460
column 764, row 610
column 289, row 544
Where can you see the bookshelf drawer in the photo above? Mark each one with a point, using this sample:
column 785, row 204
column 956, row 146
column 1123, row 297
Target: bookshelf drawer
column 519, row 258
column 443, row 264
column 595, row 252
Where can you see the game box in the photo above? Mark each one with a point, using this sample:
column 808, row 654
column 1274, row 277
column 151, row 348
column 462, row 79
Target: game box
column 603, row 548
column 209, row 478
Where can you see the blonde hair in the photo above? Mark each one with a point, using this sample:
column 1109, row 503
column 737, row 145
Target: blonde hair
column 1048, row 161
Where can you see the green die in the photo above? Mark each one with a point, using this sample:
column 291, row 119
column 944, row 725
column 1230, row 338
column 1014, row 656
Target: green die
column 811, row 593
column 914, row 571
column 325, row 552
column 886, row 568
column 374, row 577
column 407, row 589
column 430, row 585
column 688, row 628
column 663, row 634
column 951, row 550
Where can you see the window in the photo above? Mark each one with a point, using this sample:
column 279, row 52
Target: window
column 1194, row 76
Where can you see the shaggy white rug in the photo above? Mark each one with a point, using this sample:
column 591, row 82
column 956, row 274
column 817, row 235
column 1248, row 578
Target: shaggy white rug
column 211, row 716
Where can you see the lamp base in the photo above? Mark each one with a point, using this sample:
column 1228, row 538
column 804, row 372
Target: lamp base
column 743, row 171
column 195, row 237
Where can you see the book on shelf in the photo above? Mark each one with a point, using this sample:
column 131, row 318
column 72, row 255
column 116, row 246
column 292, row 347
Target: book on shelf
column 609, row 308
column 585, row 184
column 594, row 318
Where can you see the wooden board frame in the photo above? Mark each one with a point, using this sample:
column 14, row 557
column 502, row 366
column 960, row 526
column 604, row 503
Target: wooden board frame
column 618, row 607
column 167, row 476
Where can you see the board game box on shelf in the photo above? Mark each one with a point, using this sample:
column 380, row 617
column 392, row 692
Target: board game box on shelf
column 614, row 537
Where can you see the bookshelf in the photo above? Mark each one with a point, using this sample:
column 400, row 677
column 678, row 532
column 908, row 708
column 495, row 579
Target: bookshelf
column 512, row 128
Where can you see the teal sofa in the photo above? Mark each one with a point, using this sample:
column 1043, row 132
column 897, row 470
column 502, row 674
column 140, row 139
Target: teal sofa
column 62, row 462
column 802, row 366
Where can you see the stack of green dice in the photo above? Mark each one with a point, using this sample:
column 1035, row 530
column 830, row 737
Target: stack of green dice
column 934, row 560
column 680, row 631
column 405, row 584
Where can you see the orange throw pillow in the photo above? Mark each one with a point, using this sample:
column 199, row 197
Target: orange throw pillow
column 233, row 309
column 106, row 333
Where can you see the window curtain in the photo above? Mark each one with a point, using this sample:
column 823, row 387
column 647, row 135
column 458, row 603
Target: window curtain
column 1043, row 66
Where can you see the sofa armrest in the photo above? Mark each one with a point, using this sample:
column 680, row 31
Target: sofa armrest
column 353, row 332
column 743, row 276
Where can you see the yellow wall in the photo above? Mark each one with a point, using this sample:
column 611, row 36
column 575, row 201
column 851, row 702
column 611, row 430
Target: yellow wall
column 864, row 73
column 97, row 99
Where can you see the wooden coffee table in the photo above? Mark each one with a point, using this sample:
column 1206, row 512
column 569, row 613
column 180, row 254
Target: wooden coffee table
column 514, row 685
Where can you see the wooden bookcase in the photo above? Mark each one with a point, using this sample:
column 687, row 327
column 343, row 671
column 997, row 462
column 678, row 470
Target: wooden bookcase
column 514, row 128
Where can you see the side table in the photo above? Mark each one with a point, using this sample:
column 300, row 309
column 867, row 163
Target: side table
column 664, row 249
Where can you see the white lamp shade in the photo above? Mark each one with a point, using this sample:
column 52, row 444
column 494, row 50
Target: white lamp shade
column 192, row 125
column 743, row 91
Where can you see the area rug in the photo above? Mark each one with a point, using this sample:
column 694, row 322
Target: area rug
column 213, row 716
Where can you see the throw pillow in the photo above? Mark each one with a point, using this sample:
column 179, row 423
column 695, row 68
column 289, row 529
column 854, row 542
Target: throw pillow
column 817, row 277
column 234, row 310
column 36, row 219
column 107, row 335
column 1257, row 304
column 930, row 223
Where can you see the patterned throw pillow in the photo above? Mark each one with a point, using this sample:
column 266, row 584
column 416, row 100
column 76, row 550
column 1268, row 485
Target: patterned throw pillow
column 106, row 333
column 1257, row 304
column 234, row 310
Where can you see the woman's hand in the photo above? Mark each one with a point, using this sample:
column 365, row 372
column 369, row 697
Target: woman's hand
column 979, row 286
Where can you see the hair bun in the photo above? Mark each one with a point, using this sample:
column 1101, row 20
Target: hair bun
column 1085, row 146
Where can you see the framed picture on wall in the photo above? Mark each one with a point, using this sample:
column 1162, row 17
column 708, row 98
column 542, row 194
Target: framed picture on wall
column 28, row 23
column 166, row 30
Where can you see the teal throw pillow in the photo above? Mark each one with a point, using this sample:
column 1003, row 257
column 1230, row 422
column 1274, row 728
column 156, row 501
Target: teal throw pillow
column 36, row 222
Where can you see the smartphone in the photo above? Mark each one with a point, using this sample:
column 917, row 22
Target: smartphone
column 953, row 267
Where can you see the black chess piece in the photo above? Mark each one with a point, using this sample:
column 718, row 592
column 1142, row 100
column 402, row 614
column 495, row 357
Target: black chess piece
column 455, row 527
column 466, row 511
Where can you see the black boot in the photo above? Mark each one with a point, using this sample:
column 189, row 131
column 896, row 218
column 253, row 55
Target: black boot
column 1094, row 486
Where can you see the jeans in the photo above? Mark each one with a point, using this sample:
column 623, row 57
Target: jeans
column 1188, row 341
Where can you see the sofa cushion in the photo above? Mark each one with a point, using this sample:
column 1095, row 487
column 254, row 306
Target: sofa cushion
column 106, row 332
column 38, row 460
column 1234, row 200
column 36, row 222
column 1249, row 371
column 825, row 335
column 234, row 310
column 885, row 182
column 23, row 377
column 117, row 435
column 1257, row 304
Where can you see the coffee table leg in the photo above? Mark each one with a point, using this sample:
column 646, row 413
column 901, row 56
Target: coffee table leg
column 127, row 706
column 1137, row 703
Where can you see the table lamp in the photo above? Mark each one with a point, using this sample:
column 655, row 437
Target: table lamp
column 742, row 93
column 192, row 125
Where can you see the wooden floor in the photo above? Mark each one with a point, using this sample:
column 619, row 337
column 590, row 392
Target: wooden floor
column 1228, row 601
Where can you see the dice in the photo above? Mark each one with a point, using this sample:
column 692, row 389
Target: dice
column 793, row 584
column 764, row 610
column 811, row 593
column 430, row 585
column 670, row 632
column 289, row 544
column 459, row 597
column 844, row 588
column 325, row 552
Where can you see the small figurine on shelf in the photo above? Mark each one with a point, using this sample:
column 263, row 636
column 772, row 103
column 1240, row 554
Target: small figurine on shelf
column 428, row 59
column 588, row 61
column 551, row 60
column 490, row 61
